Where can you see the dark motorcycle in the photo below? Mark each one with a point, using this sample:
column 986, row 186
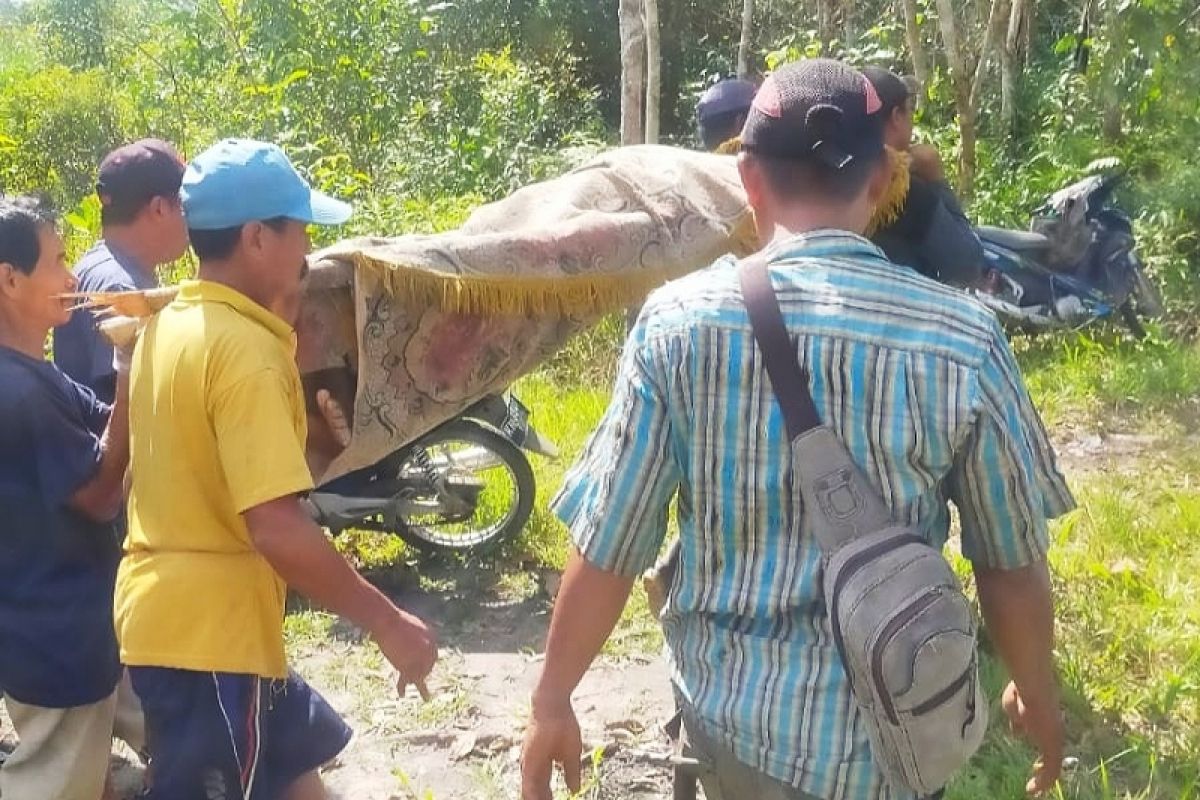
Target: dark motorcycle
column 1077, row 265
column 465, row 485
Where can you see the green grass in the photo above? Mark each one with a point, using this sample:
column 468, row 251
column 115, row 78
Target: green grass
column 1098, row 380
column 1127, row 577
column 565, row 414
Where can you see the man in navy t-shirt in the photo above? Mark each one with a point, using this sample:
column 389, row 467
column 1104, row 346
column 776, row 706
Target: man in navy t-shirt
column 61, row 488
column 138, row 187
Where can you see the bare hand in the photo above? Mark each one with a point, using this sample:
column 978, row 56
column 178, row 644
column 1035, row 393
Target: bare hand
column 552, row 737
column 411, row 647
column 1042, row 725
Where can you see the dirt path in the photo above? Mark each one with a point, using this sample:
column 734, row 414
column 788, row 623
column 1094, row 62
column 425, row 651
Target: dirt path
column 465, row 742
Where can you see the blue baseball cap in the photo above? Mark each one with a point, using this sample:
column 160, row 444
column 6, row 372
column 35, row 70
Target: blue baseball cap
column 730, row 94
column 240, row 180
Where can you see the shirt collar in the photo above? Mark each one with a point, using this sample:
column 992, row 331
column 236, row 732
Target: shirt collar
column 201, row 291
column 824, row 242
column 128, row 262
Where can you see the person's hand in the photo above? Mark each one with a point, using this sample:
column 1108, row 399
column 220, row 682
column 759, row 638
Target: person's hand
column 925, row 162
column 411, row 647
column 1042, row 725
column 552, row 737
column 335, row 417
column 122, row 360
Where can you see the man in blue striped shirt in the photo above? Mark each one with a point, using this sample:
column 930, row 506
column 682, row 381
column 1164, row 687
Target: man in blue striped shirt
column 916, row 379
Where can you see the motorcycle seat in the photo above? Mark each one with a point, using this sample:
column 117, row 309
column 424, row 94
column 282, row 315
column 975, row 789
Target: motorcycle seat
column 1014, row 240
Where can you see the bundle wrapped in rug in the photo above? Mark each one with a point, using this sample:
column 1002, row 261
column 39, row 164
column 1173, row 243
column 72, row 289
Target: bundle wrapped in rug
column 409, row 331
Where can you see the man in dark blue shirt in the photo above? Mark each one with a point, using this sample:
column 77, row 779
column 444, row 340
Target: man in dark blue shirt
column 138, row 186
column 61, row 488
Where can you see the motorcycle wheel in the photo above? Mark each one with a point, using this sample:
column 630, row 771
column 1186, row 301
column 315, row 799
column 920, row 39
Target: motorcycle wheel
column 493, row 478
column 1129, row 315
column 1149, row 299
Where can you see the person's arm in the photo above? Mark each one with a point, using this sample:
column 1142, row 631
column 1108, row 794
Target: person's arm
column 1019, row 614
column 1006, row 487
column 588, row 607
column 949, row 247
column 285, row 535
column 101, row 497
column 264, row 465
column 614, row 501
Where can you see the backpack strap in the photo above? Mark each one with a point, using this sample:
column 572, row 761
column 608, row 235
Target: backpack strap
column 788, row 378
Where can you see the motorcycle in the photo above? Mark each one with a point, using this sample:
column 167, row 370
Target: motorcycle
column 467, row 485
column 1077, row 264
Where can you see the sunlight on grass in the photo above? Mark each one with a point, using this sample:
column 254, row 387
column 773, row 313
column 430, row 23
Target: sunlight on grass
column 1078, row 379
column 565, row 415
column 1127, row 579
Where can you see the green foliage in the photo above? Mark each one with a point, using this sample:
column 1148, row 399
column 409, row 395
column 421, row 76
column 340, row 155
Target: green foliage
column 76, row 32
column 1126, row 575
column 55, row 126
column 1084, row 379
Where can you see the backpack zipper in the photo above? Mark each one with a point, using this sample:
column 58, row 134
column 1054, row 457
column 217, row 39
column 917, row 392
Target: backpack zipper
column 947, row 693
column 852, row 566
column 904, row 616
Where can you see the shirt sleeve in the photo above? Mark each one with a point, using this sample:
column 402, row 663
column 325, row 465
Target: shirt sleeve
column 261, row 450
column 66, row 454
column 95, row 411
column 615, row 500
column 1005, row 481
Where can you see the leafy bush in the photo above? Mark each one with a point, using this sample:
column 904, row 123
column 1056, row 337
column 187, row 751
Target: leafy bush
column 55, row 126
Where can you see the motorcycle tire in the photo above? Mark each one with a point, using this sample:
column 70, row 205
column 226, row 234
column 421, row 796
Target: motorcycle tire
column 430, row 539
column 1129, row 315
column 1145, row 293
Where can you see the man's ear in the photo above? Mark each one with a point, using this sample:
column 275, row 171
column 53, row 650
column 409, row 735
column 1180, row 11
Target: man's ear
column 160, row 206
column 253, row 239
column 752, row 177
column 8, row 279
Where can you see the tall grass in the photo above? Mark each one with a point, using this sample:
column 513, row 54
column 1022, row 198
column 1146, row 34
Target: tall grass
column 1127, row 582
column 1100, row 380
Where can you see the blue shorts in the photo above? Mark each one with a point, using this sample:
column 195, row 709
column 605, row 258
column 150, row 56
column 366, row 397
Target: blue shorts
column 219, row 736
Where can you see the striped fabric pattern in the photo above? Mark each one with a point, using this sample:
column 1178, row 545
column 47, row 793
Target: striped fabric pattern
column 918, row 381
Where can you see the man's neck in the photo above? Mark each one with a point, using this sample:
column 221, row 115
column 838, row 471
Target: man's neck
column 126, row 240
column 230, row 274
column 800, row 219
column 20, row 337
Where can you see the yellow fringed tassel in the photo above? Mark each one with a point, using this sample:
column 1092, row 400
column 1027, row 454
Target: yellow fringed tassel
column 888, row 209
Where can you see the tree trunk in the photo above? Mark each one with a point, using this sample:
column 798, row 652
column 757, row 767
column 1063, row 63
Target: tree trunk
column 992, row 35
column 1113, row 118
column 826, row 22
column 653, row 71
column 916, row 48
column 849, row 26
column 633, row 71
column 1027, row 38
column 960, row 78
column 745, row 43
column 1011, row 68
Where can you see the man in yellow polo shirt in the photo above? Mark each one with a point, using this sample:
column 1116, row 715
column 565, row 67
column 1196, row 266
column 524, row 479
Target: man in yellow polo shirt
column 216, row 527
